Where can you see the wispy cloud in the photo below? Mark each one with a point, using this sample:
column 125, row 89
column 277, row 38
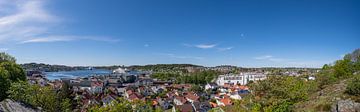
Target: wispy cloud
column 67, row 38
column 263, row 57
column 225, row 49
column 205, row 46
column 201, row 46
column 180, row 57
column 47, row 39
column 29, row 22
column 270, row 58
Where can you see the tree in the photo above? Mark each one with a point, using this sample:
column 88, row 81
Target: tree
column 4, row 57
column 196, row 88
column 343, row 68
column 325, row 67
column 9, row 72
column 16, row 73
column 4, row 83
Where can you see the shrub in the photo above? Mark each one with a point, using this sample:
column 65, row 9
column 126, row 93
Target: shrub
column 353, row 87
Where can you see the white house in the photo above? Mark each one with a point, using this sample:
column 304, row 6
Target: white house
column 242, row 78
column 210, row 86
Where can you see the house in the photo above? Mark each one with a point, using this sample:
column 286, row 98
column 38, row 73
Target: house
column 164, row 104
column 128, row 93
column 34, row 74
column 191, row 97
column 213, row 105
column 178, row 100
column 37, row 80
column 108, row 99
column 114, row 81
column 121, row 90
column 235, row 96
column 183, row 108
column 211, row 86
column 201, row 106
column 144, row 82
column 157, row 89
column 97, row 87
column 135, row 96
column 79, row 84
column 171, row 94
column 224, row 102
column 183, row 87
column 145, row 91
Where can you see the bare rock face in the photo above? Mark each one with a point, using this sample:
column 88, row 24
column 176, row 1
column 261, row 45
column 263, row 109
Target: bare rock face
column 12, row 106
column 345, row 106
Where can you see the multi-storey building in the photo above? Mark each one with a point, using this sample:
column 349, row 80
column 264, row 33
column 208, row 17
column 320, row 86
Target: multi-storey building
column 242, row 78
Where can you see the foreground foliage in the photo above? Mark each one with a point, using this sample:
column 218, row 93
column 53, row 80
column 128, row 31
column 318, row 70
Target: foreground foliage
column 45, row 97
column 9, row 72
column 279, row 93
column 353, row 88
column 123, row 105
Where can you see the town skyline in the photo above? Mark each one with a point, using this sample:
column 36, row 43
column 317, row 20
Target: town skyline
column 239, row 33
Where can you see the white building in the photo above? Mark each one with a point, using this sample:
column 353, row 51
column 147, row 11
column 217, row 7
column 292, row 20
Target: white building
column 242, row 78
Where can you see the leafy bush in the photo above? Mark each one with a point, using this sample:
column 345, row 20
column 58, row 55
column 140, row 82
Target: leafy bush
column 279, row 93
column 325, row 78
column 44, row 97
column 343, row 68
column 9, row 72
column 353, row 87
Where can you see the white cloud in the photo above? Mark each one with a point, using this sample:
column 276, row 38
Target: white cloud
column 225, row 49
column 27, row 21
column 67, row 38
column 24, row 19
column 47, row 39
column 270, row 58
column 201, row 46
column 263, row 57
column 205, row 46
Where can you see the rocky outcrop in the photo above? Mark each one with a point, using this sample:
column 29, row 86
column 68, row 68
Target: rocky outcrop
column 12, row 106
column 345, row 106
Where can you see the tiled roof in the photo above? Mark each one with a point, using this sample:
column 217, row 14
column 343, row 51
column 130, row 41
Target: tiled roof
column 226, row 101
column 191, row 96
column 185, row 108
column 181, row 99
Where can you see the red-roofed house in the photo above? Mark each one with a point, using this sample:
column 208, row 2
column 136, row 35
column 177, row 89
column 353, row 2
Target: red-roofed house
column 191, row 97
column 97, row 87
column 224, row 102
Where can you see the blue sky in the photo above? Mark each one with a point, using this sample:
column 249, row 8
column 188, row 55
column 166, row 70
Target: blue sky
column 248, row 33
